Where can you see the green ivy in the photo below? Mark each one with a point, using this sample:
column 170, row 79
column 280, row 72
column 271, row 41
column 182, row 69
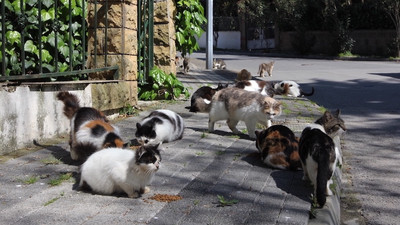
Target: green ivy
column 162, row 86
column 188, row 21
column 16, row 22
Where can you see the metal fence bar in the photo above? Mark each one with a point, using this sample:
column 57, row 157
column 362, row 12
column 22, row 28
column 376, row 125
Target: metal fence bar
column 95, row 34
column 83, row 35
column 145, row 39
column 105, row 35
column 3, row 39
column 62, row 74
column 55, row 29
column 22, row 39
column 71, row 67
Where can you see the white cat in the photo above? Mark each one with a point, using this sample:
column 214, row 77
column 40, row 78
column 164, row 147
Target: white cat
column 290, row 88
column 234, row 104
column 261, row 86
column 160, row 126
column 119, row 170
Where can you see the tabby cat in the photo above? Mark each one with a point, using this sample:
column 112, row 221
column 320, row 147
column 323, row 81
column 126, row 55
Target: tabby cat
column 90, row 130
column 234, row 105
column 278, row 147
column 319, row 154
column 219, row 64
column 266, row 67
column 115, row 170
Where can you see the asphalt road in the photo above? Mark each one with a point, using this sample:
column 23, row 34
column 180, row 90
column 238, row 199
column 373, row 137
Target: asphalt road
column 367, row 92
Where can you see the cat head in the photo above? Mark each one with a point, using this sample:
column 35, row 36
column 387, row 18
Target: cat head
column 148, row 158
column 332, row 123
column 271, row 107
column 145, row 133
column 221, row 86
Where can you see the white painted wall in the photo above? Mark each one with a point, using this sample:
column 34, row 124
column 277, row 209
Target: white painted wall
column 27, row 115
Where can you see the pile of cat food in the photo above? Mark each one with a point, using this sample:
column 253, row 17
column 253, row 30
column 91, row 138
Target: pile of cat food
column 165, row 197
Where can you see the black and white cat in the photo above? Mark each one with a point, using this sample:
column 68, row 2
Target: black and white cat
column 291, row 88
column 319, row 153
column 90, row 129
column 160, row 126
column 219, row 64
column 201, row 98
column 116, row 170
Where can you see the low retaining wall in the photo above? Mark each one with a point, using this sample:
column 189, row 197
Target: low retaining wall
column 32, row 112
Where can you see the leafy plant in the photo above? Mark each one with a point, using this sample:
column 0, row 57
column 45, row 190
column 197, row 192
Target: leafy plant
column 128, row 110
column 51, row 161
column 30, row 180
column 222, row 202
column 188, row 21
column 162, row 86
column 24, row 23
column 54, row 199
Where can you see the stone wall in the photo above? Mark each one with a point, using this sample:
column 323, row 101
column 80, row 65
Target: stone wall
column 164, row 35
column 119, row 45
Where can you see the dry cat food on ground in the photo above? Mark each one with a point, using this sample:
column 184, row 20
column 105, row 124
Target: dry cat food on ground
column 165, row 197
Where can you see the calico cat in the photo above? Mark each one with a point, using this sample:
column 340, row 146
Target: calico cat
column 201, row 98
column 234, row 104
column 243, row 75
column 266, row 67
column 160, row 126
column 279, row 148
column 219, row 64
column 261, row 86
column 291, row 88
column 319, row 154
column 90, row 129
column 116, row 170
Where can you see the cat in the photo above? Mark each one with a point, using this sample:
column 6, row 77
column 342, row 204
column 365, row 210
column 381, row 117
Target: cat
column 266, row 67
column 319, row 153
column 279, row 147
column 115, row 170
column 160, row 126
column 90, row 129
column 201, row 98
column 261, row 86
column 291, row 88
column 234, row 104
column 243, row 75
column 219, row 64
column 182, row 64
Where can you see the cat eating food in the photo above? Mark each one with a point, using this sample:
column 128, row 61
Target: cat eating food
column 278, row 147
column 266, row 67
column 319, row 154
column 115, row 170
column 201, row 98
column 234, row 104
column 90, row 129
column 160, row 126
column 219, row 64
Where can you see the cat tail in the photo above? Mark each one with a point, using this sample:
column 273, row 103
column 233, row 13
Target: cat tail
column 322, row 178
column 71, row 103
column 302, row 93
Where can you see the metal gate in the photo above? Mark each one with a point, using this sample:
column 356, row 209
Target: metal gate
column 25, row 55
column 145, row 39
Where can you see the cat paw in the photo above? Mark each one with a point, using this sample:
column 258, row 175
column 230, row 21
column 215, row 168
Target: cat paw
column 146, row 190
column 133, row 195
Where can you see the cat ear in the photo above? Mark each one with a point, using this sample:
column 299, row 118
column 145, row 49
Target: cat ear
column 257, row 133
column 337, row 112
column 138, row 126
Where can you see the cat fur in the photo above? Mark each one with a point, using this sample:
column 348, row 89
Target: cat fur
column 219, row 64
column 201, row 98
column 243, row 75
column 160, row 126
column 319, row 153
column 90, row 129
column 116, row 170
column 261, row 86
column 291, row 88
column 234, row 105
column 278, row 147
column 266, row 67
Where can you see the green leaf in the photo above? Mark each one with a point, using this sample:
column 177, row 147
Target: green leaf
column 47, row 3
column 45, row 16
column 13, row 37
column 46, row 57
column 30, row 47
